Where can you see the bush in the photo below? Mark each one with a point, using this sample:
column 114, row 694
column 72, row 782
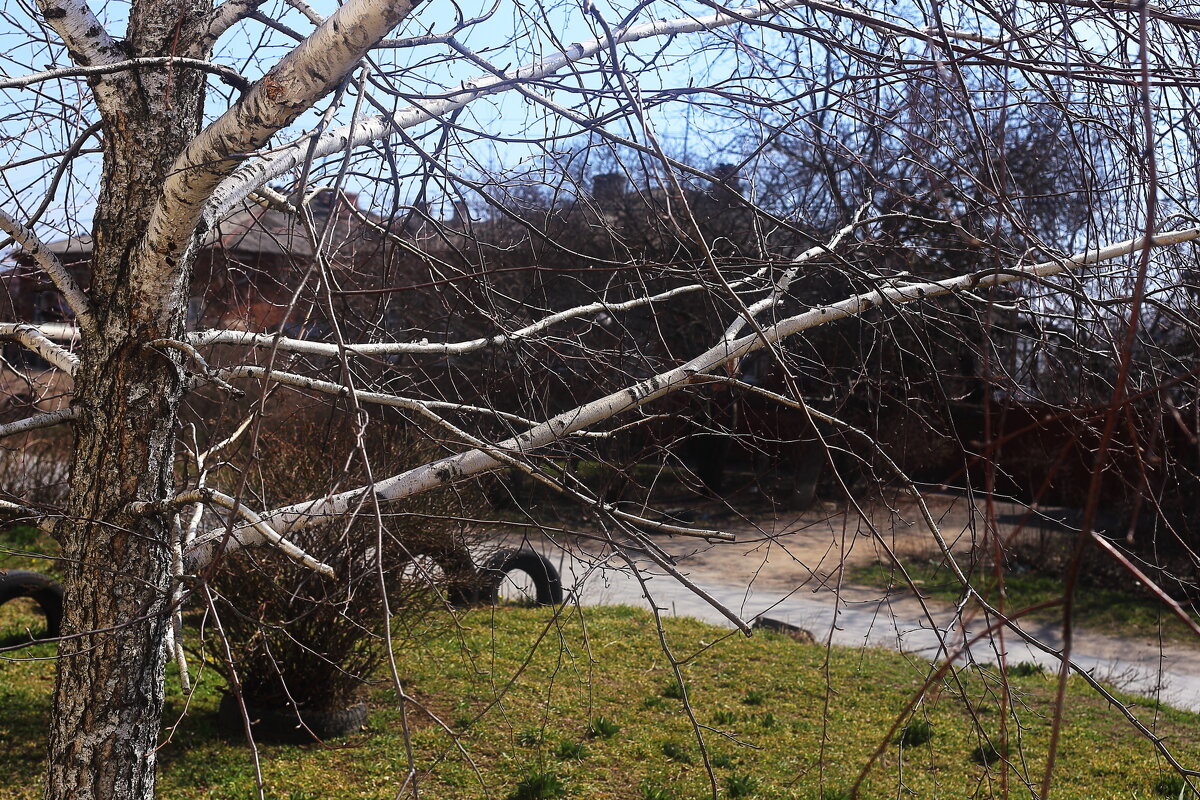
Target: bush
column 36, row 469
column 916, row 732
column 299, row 638
column 539, row 785
column 602, row 728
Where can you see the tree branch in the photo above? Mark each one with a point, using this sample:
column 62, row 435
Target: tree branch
column 249, row 177
column 306, row 347
column 222, row 18
column 86, row 39
column 226, row 74
column 292, row 86
column 479, row 460
column 38, row 421
column 209, row 544
column 78, row 302
column 372, row 398
column 33, row 338
column 252, row 175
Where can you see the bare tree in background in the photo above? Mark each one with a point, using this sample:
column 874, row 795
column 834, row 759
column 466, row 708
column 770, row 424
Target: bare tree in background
column 880, row 157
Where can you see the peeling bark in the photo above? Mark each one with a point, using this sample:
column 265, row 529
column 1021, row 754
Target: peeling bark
column 116, row 536
column 109, row 685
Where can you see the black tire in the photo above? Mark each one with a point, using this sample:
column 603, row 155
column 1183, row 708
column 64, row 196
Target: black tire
column 535, row 565
column 281, row 725
column 46, row 592
column 461, row 584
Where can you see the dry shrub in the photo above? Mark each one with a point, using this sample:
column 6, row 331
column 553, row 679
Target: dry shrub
column 35, row 469
column 298, row 637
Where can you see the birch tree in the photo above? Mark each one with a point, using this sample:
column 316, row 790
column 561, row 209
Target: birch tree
column 197, row 109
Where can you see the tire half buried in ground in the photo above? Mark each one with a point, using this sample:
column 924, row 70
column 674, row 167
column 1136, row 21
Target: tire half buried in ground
column 283, row 725
column 45, row 591
column 547, row 584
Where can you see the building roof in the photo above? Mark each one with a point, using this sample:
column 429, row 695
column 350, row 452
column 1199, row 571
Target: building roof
column 254, row 230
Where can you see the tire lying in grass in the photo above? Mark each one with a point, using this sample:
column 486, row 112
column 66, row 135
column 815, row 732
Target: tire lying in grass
column 783, row 629
column 282, row 725
column 45, row 592
column 547, row 584
column 459, row 581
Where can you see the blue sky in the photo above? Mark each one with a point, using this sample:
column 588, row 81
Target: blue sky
column 514, row 34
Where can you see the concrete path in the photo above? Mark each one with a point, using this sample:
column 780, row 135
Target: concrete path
column 788, row 570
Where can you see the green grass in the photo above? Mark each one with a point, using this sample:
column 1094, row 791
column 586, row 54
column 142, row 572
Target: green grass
column 986, row 754
column 676, row 752
column 1173, row 785
column 538, row 785
column 602, row 728
column 655, row 792
column 828, row 712
column 740, row 785
column 1026, row 669
column 26, row 547
column 1117, row 611
column 671, row 690
column 570, row 750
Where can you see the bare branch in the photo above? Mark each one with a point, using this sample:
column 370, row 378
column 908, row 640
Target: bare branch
column 292, row 86
column 473, row 462
column 253, row 175
column 77, row 301
column 306, row 347
column 8, row 509
column 39, row 421
column 80, row 30
column 779, row 291
column 226, row 74
column 33, row 338
column 224, row 17
column 257, row 530
column 372, row 398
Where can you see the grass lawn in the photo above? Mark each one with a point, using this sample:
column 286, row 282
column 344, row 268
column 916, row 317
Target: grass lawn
column 1102, row 608
column 586, row 706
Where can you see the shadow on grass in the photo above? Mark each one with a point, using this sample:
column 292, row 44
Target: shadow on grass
column 24, row 721
column 20, row 638
column 197, row 754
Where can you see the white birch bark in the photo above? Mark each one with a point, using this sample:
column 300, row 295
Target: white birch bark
column 292, row 86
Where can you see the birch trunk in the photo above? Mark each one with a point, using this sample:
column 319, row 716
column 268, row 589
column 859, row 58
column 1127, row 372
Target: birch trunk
column 109, row 686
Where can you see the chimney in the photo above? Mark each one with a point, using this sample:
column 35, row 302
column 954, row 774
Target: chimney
column 608, row 187
column 727, row 175
column 725, row 193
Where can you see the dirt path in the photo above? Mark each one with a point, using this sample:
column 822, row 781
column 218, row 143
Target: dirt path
column 787, row 568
